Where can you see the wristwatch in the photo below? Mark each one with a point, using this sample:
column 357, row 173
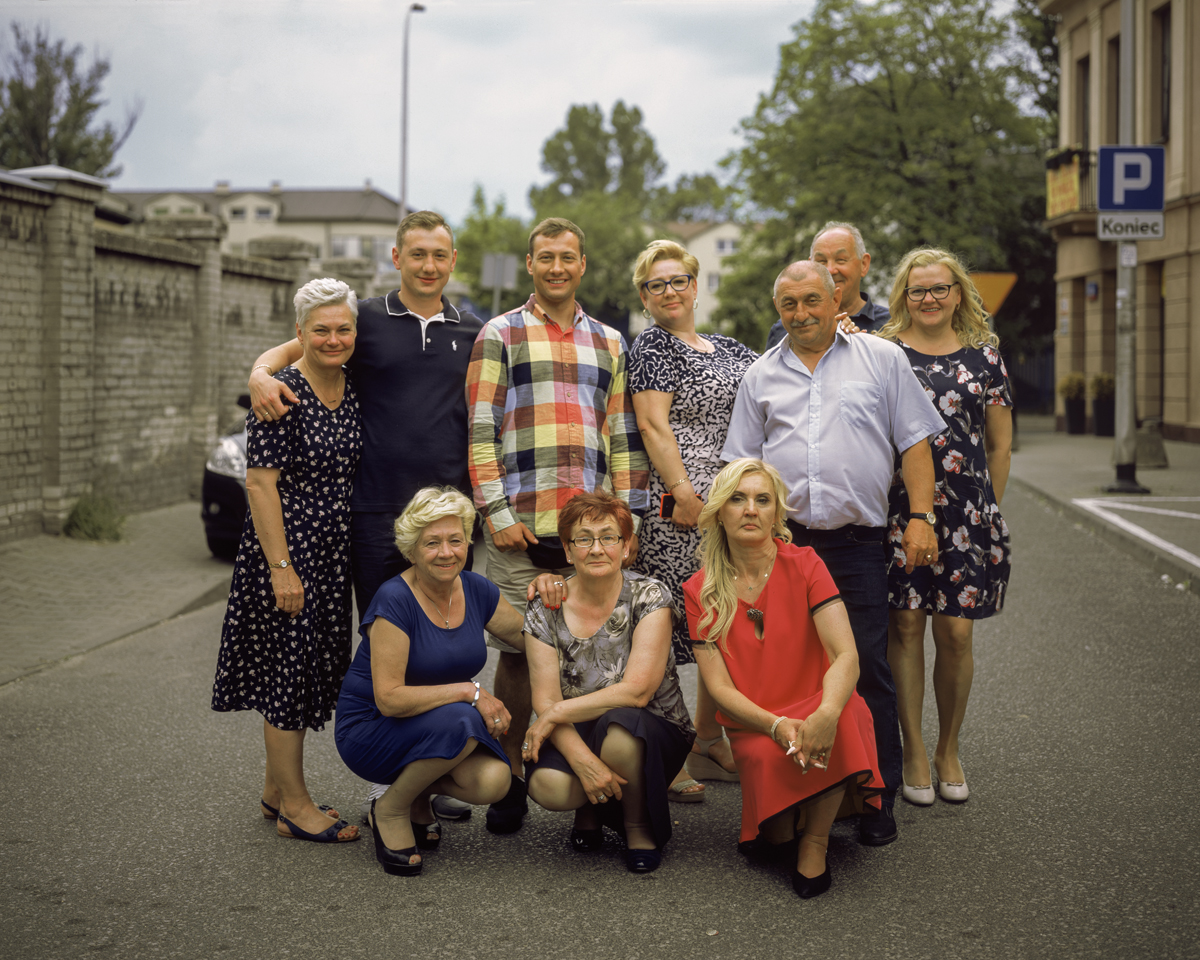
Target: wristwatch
column 281, row 565
column 930, row 517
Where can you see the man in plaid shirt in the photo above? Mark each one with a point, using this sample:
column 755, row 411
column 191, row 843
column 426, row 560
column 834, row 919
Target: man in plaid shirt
column 550, row 416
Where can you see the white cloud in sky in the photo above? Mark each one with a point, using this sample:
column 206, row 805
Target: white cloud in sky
column 307, row 91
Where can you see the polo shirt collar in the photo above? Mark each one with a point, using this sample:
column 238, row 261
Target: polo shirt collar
column 396, row 308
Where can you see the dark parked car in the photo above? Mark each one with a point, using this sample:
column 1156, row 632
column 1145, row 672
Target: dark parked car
column 223, row 493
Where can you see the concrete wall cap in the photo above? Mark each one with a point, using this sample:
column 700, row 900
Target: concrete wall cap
column 51, row 172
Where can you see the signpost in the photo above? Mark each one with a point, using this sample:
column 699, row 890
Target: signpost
column 1129, row 198
column 500, row 273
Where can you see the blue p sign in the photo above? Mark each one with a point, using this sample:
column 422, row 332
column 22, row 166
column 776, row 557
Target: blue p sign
column 1131, row 178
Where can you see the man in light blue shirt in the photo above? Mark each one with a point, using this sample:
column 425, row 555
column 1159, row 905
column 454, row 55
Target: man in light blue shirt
column 829, row 410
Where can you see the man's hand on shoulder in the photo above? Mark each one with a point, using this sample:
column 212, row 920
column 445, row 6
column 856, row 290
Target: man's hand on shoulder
column 516, row 537
column 269, row 399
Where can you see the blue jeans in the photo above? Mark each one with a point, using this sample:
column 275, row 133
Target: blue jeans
column 374, row 559
column 857, row 560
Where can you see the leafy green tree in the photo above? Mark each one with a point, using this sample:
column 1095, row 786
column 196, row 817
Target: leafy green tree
column 915, row 120
column 695, row 197
column 492, row 230
column 48, row 101
column 604, row 177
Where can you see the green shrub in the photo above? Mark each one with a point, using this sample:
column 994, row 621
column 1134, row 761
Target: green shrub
column 1072, row 386
column 94, row 518
column 1104, row 387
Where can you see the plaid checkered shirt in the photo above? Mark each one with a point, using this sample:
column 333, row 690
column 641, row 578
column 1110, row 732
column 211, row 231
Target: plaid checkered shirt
column 550, row 416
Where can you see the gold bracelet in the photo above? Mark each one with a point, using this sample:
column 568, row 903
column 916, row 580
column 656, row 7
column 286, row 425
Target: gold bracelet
column 676, row 483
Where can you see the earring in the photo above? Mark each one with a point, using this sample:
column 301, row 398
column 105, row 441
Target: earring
column 695, row 303
column 646, row 313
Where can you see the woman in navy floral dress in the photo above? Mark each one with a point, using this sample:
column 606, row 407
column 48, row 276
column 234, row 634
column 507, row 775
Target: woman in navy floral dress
column 683, row 385
column 938, row 319
column 285, row 643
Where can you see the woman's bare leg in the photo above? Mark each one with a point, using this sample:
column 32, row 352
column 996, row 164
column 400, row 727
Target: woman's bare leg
column 953, row 671
column 409, row 797
column 814, row 842
column 285, row 773
column 625, row 755
column 906, row 656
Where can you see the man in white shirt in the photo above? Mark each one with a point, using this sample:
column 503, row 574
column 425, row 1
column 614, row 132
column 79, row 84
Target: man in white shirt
column 829, row 410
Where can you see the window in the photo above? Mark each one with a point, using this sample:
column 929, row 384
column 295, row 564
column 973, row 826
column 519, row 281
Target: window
column 161, row 211
column 1083, row 102
column 187, row 210
column 714, row 282
column 237, row 213
column 367, row 245
column 1160, row 74
column 337, row 247
column 726, row 246
column 262, row 213
column 1112, row 92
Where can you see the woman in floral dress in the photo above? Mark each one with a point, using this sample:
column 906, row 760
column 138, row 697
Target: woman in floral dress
column 938, row 318
column 285, row 642
column 683, row 385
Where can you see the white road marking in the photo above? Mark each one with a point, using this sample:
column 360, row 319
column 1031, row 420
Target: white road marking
column 1103, row 509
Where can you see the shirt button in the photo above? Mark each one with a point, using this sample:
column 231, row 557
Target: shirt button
column 429, row 339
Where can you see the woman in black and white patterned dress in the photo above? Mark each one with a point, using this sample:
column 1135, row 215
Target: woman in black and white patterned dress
column 683, row 385
column 285, row 642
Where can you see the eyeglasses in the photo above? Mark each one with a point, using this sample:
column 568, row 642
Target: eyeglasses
column 940, row 291
column 585, row 543
column 656, row 288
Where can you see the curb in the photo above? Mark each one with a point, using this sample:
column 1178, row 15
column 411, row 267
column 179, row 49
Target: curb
column 1157, row 560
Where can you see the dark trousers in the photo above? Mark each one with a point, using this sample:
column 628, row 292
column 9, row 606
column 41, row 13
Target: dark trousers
column 857, row 561
column 374, row 559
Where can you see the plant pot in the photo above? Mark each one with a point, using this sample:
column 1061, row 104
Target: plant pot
column 1104, row 416
column 1076, row 414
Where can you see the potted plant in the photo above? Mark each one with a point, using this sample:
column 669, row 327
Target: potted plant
column 1072, row 387
column 1104, row 399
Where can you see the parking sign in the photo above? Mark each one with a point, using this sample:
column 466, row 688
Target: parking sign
column 1131, row 179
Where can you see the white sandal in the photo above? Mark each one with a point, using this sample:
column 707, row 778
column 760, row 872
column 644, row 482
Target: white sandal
column 703, row 767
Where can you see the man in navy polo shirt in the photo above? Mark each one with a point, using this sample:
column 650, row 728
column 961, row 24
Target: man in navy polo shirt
column 840, row 248
column 410, row 370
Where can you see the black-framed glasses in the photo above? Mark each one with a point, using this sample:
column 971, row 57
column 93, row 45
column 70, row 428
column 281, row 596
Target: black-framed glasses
column 585, row 543
column 940, row 291
column 656, row 288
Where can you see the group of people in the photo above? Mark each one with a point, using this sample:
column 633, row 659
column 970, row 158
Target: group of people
column 789, row 522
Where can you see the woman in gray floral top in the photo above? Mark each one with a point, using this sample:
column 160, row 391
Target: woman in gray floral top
column 612, row 726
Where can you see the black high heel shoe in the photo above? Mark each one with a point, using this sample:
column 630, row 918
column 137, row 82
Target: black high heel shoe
column 808, row 887
column 422, row 832
column 398, row 863
column 587, row 841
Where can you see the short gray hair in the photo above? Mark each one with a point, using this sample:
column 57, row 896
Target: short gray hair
column 860, row 248
column 427, row 505
column 801, row 269
column 325, row 292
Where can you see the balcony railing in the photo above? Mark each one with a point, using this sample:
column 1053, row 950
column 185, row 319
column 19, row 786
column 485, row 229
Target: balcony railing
column 1071, row 183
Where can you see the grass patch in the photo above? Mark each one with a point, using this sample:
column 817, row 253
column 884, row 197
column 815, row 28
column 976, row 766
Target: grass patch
column 95, row 518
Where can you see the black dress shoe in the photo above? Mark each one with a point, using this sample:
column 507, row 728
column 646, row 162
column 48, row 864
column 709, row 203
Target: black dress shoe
column 505, row 816
column 808, row 887
column 447, row 808
column 875, row 829
column 642, row 861
column 586, row 841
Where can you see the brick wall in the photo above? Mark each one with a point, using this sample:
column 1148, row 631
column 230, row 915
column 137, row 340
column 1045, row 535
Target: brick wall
column 126, row 353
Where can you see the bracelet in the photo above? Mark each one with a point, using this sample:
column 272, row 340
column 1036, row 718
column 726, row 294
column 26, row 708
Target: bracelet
column 775, row 725
column 676, row 483
column 475, row 699
column 262, row 366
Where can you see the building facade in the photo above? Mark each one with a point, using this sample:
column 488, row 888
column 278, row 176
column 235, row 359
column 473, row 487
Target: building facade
column 1167, row 112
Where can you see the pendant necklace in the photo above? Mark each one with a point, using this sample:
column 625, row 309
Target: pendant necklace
column 449, row 606
column 754, row 614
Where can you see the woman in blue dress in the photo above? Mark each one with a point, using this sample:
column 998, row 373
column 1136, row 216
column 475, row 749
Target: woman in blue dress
column 938, row 319
column 285, row 642
column 409, row 714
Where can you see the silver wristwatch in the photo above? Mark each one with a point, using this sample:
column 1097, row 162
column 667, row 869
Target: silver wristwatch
column 930, row 517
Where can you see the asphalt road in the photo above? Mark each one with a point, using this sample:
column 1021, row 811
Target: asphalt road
column 132, row 827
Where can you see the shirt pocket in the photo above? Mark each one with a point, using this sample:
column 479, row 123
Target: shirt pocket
column 859, row 403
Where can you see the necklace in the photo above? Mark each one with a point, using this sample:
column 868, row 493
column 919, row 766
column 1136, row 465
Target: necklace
column 449, row 606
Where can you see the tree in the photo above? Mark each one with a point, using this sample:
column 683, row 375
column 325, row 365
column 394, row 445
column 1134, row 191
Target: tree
column 915, row 120
column 47, row 105
column 490, row 231
column 604, row 178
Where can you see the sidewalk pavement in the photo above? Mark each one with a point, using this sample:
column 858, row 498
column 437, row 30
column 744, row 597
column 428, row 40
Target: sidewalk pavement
column 61, row 597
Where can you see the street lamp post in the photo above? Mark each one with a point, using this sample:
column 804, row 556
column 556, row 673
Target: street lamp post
column 412, row 8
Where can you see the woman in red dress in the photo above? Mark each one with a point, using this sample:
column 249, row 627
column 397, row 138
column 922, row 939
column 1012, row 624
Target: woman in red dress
column 775, row 650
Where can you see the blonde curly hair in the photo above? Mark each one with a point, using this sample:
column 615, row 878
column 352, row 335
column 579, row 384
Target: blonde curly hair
column 427, row 505
column 970, row 320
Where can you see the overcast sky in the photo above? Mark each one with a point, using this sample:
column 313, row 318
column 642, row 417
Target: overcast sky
column 308, row 91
